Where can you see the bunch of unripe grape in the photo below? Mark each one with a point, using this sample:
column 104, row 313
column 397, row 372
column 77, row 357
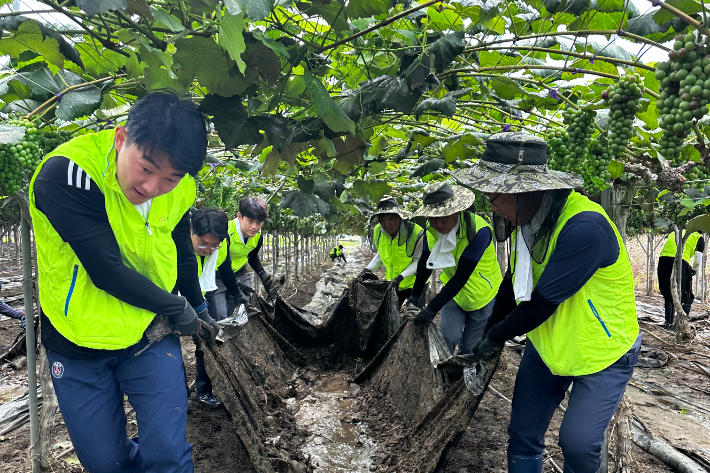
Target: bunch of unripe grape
column 580, row 126
column 596, row 169
column 557, row 149
column 623, row 102
column 685, row 91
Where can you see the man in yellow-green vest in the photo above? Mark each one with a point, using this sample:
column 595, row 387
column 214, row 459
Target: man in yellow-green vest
column 209, row 234
column 694, row 244
column 398, row 245
column 245, row 243
column 337, row 253
column 460, row 244
column 570, row 288
column 111, row 218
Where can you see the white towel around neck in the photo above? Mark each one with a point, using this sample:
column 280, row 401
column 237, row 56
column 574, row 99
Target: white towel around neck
column 209, row 270
column 523, row 286
column 442, row 254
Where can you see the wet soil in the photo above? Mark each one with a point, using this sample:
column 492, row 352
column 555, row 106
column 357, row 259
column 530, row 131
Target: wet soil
column 676, row 407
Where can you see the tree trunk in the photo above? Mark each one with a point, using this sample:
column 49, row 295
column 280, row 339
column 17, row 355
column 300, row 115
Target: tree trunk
column 624, row 436
column 703, row 277
column 48, row 414
column 650, row 263
column 664, row 452
column 617, row 201
column 683, row 333
column 501, row 253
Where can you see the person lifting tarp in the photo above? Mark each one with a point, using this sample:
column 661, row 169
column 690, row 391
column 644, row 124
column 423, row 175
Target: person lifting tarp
column 460, row 243
column 397, row 243
column 694, row 246
column 570, row 287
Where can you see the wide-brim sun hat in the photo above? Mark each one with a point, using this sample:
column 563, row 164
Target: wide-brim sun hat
column 442, row 199
column 513, row 163
column 389, row 205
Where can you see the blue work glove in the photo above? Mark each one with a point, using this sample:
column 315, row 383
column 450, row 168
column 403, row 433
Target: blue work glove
column 486, row 348
column 425, row 316
column 22, row 321
column 417, row 301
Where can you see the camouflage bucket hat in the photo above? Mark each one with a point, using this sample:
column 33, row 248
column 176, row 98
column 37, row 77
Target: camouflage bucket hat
column 513, row 163
column 442, row 199
column 389, row 205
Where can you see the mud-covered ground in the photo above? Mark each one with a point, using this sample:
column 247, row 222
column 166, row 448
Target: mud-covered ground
column 672, row 401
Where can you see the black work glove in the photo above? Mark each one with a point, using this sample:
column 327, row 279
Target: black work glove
column 394, row 284
column 266, row 280
column 425, row 316
column 417, row 301
column 187, row 322
column 205, row 317
column 367, row 274
column 692, row 272
column 206, row 332
column 486, row 348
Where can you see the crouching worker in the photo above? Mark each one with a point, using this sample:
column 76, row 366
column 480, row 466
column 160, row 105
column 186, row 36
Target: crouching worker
column 571, row 279
column 694, row 244
column 209, row 233
column 337, row 253
column 245, row 242
column 111, row 218
column 459, row 243
column 398, row 244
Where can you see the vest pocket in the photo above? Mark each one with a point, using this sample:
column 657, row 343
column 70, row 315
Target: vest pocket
column 599, row 318
column 71, row 290
column 489, row 283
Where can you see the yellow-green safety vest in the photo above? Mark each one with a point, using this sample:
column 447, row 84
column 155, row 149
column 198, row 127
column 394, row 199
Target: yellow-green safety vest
column 336, row 251
column 221, row 257
column 592, row 329
column 482, row 286
column 394, row 256
column 238, row 250
column 670, row 247
column 82, row 313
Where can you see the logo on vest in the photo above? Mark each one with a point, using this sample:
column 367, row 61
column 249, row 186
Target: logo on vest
column 57, row 369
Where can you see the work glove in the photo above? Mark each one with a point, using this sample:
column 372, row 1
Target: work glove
column 425, row 316
column 693, row 272
column 486, row 348
column 266, row 279
column 204, row 316
column 367, row 274
column 187, row 322
column 417, row 301
column 206, row 332
column 394, row 284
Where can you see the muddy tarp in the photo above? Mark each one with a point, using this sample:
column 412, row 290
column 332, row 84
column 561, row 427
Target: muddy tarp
column 412, row 378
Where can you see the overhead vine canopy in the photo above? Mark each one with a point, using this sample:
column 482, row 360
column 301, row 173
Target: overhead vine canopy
column 332, row 104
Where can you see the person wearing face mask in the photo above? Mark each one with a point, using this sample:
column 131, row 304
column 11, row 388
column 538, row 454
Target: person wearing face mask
column 460, row 243
column 398, row 244
column 570, row 288
column 245, row 242
column 111, row 217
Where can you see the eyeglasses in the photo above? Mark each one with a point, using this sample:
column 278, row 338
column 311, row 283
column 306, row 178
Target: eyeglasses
column 204, row 245
column 490, row 201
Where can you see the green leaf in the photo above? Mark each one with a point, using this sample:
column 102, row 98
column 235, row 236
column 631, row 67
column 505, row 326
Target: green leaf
column 351, row 150
column 11, row 135
column 67, row 48
column 29, row 37
column 690, row 7
column 462, row 149
column 305, row 185
column 446, row 106
column 289, row 154
column 202, row 58
column 365, row 8
column 616, row 169
column 650, row 116
column 156, row 78
column 275, row 46
column 140, row 8
column 332, row 115
column 232, row 39
column 445, row 50
column 494, row 58
column 429, row 167
column 610, row 50
column 700, row 223
column 99, row 61
column 164, row 18
column 329, row 12
column 253, row 9
column 80, row 102
column 506, row 88
column 303, row 205
column 262, row 58
column 96, row 7
column 373, row 190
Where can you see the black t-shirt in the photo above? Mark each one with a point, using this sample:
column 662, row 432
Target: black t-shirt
column 75, row 207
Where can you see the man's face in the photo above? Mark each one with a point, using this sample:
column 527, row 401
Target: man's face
column 249, row 226
column 390, row 223
column 140, row 176
column 444, row 224
column 505, row 205
column 204, row 245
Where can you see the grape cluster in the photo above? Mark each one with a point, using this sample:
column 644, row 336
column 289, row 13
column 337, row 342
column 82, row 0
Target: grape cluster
column 18, row 161
column 623, row 102
column 685, row 92
column 595, row 170
column 557, row 149
column 698, row 176
column 580, row 126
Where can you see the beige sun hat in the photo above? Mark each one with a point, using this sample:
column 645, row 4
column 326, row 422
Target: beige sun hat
column 389, row 205
column 513, row 163
column 441, row 199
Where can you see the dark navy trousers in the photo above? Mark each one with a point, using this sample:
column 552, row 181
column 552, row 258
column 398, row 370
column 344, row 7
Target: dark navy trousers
column 592, row 403
column 90, row 394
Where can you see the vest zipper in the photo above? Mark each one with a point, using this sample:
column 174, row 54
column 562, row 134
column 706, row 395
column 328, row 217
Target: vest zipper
column 147, row 225
column 596, row 314
column 71, row 290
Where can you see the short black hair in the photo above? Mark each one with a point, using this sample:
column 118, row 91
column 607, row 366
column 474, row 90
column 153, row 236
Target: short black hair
column 212, row 220
column 254, row 208
column 162, row 124
column 340, row 246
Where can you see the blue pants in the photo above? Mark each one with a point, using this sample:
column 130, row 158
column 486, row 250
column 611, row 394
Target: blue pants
column 592, row 403
column 90, row 394
column 463, row 328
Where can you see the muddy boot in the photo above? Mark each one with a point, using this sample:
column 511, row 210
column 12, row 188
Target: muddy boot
column 669, row 315
column 524, row 463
